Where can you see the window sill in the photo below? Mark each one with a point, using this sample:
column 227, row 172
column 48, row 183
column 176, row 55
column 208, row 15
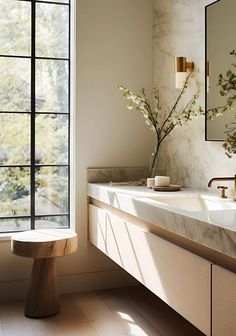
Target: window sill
column 5, row 237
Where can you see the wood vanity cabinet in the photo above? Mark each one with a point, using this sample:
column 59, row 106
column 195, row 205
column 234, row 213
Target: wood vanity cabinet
column 223, row 302
column 177, row 276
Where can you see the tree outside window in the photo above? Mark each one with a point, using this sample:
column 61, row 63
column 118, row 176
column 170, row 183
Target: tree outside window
column 34, row 114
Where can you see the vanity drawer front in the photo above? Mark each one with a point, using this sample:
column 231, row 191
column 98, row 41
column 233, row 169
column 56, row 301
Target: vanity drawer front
column 223, row 302
column 178, row 277
column 97, row 228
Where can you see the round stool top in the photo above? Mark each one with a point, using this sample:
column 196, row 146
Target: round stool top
column 44, row 243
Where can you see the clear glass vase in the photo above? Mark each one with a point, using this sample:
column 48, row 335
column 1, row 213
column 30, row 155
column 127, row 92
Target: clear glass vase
column 153, row 161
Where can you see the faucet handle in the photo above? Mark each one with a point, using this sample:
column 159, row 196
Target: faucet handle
column 222, row 191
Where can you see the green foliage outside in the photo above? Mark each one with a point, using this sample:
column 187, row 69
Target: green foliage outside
column 227, row 86
column 51, row 132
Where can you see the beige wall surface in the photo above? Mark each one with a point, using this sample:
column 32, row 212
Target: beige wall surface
column 114, row 46
column 179, row 30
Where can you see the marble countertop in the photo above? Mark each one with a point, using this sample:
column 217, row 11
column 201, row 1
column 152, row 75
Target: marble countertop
column 215, row 229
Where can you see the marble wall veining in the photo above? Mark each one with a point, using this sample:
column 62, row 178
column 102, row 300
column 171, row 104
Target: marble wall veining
column 179, row 30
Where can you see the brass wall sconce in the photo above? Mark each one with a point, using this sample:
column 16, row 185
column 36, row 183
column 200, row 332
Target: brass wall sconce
column 182, row 67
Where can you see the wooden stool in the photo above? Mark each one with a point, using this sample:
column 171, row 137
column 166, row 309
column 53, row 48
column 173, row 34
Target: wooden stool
column 43, row 246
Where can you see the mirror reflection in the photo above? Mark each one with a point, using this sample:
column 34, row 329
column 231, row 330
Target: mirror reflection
column 220, row 68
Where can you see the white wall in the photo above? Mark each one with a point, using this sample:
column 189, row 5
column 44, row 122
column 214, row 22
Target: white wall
column 179, row 30
column 114, row 45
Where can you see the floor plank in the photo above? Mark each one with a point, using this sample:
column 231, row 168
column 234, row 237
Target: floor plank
column 157, row 313
column 13, row 320
column 135, row 322
column 132, row 311
column 1, row 329
column 46, row 327
column 72, row 319
column 103, row 320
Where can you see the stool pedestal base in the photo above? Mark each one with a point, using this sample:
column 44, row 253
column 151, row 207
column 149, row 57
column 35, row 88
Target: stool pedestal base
column 43, row 297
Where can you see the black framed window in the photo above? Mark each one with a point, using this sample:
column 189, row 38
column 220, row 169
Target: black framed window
column 34, row 114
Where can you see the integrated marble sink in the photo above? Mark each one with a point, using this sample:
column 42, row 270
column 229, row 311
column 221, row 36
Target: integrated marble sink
column 195, row 202
column 200, row 216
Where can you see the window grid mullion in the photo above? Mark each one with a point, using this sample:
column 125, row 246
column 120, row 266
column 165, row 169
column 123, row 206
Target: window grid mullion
column 48, row 2
column 69, row 109
column 33, row 90
column 36, row 216
column 33, row 166
column 29, row 113
column 36, row 165
column 36, row 57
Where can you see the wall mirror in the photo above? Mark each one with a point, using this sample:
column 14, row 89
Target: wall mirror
column 220, row 42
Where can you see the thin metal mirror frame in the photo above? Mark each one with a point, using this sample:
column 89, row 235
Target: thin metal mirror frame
column 206, row 40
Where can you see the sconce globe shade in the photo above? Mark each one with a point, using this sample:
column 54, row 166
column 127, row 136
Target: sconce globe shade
column 180, row 78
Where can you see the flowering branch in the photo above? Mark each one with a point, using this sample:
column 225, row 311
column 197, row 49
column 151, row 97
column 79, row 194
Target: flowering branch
column 161, row 124
column 230, row 142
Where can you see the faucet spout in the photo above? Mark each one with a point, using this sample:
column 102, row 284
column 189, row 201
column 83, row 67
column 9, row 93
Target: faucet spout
column 233, row 178
column 220, row 179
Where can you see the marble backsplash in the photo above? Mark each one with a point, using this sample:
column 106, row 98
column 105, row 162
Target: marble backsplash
column 179, row 30
column 104, row 175
column 122, row 174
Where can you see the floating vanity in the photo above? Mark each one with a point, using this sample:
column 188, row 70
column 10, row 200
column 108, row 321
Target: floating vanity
column 181, row 245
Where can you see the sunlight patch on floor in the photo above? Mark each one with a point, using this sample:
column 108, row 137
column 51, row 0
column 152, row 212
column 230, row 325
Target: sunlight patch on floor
column 135, row 330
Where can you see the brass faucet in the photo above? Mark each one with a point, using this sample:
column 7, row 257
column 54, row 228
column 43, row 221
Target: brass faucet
column 224, row 179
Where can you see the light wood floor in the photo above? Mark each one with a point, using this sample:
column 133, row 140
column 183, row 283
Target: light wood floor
column 130, row 311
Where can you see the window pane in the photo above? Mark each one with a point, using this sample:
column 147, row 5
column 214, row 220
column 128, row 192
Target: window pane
column 52, row 86
column 52, row 222
column 14, row 191
column 14, row 138
column 51, row 139
column 14, row 224
column 52, row 31
column 15, row 25
column 62, row 1
column 15, row 84
column 51, row 190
